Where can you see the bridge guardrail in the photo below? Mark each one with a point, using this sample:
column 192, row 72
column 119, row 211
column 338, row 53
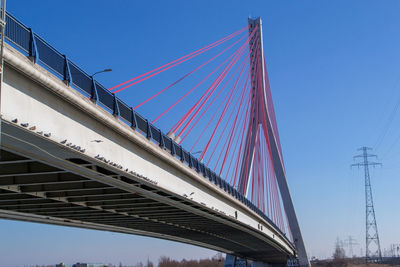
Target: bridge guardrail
column 25, row 40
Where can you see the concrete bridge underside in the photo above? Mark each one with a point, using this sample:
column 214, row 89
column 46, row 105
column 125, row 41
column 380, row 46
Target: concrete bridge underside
column 33, row 191
column 53, row 169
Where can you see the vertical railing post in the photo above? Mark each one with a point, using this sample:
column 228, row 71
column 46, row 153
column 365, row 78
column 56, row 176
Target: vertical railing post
column 148, row 134
column 162, row 144
column 182, row 155
column 197, row 165
column 173, row 151
column 190, row 161
column 67, row 71
column 33, row 52
column 94, row 96
column 203, row 169
column 115, row 106
column 133, row 120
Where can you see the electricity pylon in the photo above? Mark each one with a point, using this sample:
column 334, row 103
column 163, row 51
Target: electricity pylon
column 350, row 242
column 372, row 245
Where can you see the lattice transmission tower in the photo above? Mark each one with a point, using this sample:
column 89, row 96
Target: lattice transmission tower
column 350, row 242
column 372, row 245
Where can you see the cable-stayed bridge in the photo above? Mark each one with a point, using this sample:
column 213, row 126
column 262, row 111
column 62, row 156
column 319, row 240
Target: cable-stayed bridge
column 75, row 154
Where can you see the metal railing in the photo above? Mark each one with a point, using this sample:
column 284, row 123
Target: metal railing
column 41, row 52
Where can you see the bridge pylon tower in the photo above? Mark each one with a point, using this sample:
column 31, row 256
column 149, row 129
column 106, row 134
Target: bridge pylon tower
column 261, row 117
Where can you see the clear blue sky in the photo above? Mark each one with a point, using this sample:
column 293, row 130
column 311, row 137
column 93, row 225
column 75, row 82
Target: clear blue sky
column 334, row 69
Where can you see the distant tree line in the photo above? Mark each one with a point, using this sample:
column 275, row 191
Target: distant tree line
column 216, row 261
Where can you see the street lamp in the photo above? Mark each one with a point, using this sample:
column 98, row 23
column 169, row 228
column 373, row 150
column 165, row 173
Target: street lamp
column 94, row 99
column 106, row 70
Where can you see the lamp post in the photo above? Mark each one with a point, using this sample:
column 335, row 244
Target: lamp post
column 93, row 98
column 97, row 72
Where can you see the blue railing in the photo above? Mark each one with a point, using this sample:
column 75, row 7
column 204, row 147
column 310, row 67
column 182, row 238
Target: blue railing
column 41, row 52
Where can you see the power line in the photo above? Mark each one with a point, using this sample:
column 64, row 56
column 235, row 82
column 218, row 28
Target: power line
column 389, row 121
column 387, row 125
column 391, row 146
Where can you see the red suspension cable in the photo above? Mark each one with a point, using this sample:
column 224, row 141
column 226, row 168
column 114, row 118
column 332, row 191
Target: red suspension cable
column 194, row 88
column 203, row 115
column 243, row 139
column 190, row 73
column 213, row 87
column 215, row 113
column 212, row 102
column 216, row 83
column 243, row 127
column 208, row 144
column 216, row 128
column 226, row 108
column 232, row 131
column 234, row 128
column 180, row 60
